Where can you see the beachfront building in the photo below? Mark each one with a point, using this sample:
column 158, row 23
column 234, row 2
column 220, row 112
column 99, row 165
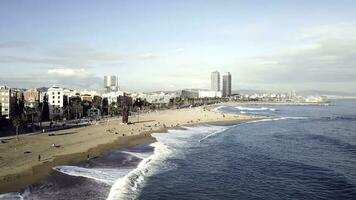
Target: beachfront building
column 56, row 102
column 226, row 90
column 112, row 96
column 209, row 94
column 94, row 113
column 189, row 93
column 6, row 101
column 31, row 98
column 215, row 81
column 86, row 97
column 156, row 97
column 111, row 83
column 31, row 95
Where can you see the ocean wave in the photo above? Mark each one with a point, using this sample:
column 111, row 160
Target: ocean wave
column 137, row 154
column 241, row 108
column 341, row 118
column 11, row 196
column 129, row 186
column 213, row 133
column 217, row 109
column 108, row 176
column 276, row 119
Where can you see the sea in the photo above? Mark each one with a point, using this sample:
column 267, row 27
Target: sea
column 303, row 152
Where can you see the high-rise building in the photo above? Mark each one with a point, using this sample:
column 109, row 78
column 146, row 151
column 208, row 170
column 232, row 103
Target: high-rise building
column 215, row 81
column 226, row 90
column 111, row 83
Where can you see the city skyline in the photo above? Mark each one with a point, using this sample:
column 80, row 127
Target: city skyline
column 265, row 45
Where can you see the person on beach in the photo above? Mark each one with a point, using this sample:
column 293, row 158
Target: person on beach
column 39, row 157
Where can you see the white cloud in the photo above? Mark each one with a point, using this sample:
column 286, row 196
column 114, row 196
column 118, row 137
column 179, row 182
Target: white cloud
column 68, row 72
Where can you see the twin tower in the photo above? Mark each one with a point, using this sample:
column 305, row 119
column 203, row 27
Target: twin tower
column 226, row 83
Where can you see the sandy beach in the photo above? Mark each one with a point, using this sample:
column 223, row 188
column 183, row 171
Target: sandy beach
column 19, row 159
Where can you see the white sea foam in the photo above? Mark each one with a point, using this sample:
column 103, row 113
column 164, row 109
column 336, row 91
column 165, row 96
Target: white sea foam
column 254, row 109
column 217, row 109
column 11, row 196
column 213, row 133
column 108, row 176
column 129, row 186
column 137, row 154
column 276, row 119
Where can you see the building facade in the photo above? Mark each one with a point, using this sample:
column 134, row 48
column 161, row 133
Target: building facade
column 6, row 101
column 31, row 95
column 55, row 101
column 226, row 90
column 111, row 83
column 209, row 94
column 112, row 96
column 215, row 81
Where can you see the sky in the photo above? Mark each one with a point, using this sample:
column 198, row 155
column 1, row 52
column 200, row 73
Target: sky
column 169, row 45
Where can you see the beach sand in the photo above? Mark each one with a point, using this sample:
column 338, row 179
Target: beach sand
column 19, row 159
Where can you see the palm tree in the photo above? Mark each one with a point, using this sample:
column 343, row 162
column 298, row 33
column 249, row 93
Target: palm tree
column 17, row 122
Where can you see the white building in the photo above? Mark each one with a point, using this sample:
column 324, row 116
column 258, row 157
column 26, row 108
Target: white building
column 6, row 101
column 215, row 81
column 111, row 83
column 155, row 97
column 55, row 101
column 210, row 94
column 112, row 96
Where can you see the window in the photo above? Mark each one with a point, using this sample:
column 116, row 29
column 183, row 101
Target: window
column 53, row 101
column 53, row 97
column 59, row 93
column 53, row 93
column 59, row 101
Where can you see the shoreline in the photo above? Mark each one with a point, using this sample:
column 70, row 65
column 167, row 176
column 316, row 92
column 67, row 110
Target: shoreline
column 277, row 103
column 15, row 177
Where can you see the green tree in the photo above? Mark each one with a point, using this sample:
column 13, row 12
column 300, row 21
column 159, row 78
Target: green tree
column 29, row 112
column 76, row 107
column 17, row 121
column 44, row 109
column 114, row 109
column 66, row 111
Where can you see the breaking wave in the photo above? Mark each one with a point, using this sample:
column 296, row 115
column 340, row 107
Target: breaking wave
column 217, row 109
column 108, row 176
column 11, row 196
column 241, row 108
column 129, row 186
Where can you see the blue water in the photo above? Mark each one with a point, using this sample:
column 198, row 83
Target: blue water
column 310, row 155
column 305, row 152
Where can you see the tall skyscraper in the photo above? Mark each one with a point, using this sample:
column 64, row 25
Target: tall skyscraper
column 215, row 81
column 111, row 83
column 226, row 90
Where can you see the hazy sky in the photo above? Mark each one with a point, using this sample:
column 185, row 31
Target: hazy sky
column 154, row 45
